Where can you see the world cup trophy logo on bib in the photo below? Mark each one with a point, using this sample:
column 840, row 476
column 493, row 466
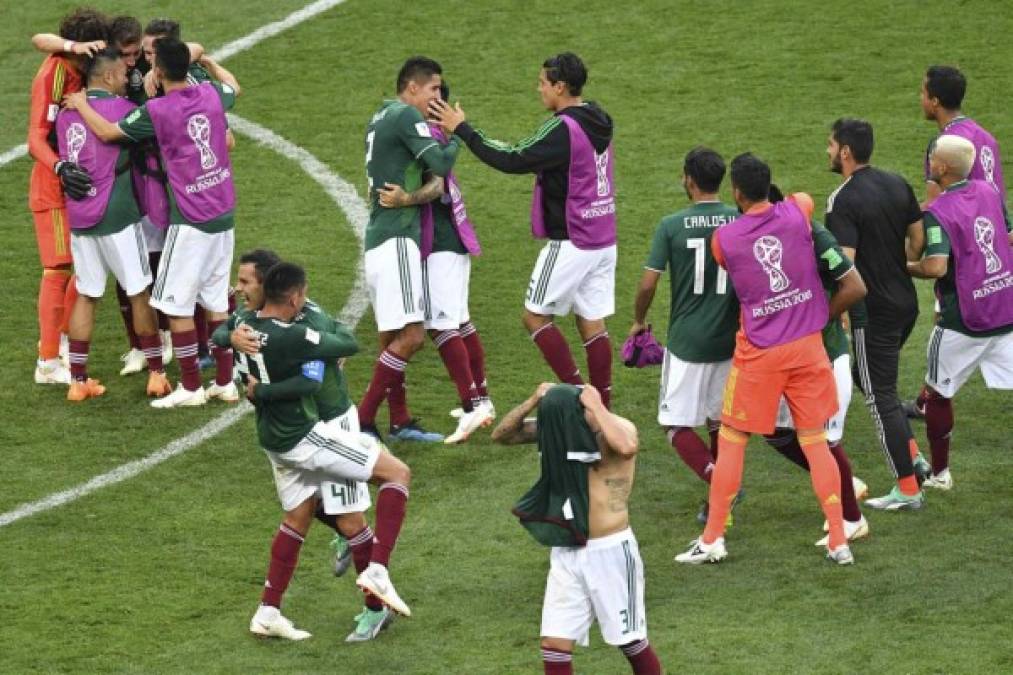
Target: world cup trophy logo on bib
column 601, row 163
column 988, row 165
column 984, row 235
column 76, row 136
column 768, row 250
column 199, row 129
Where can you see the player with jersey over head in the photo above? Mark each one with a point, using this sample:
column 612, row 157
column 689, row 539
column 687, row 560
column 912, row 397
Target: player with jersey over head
column 191, row 130
column 400, row 148
column 106, row 225
column 83, row 31
column 968, row 251
column 703, row 315
column 573, row 207
column 303, row 451
column 768, row 252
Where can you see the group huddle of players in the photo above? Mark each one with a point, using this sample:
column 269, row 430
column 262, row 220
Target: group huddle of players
column 130, row 126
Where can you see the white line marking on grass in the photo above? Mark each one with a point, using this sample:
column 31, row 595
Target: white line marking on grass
column 339, row 190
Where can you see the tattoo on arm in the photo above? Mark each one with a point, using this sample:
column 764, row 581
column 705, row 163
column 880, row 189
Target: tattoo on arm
column 516, row 428
column 431, row 190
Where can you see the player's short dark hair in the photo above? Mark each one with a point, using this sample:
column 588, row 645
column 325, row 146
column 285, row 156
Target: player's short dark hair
column 124, row 30
column 84, row 24
column 774, row 194
column 857, row 135
column 566, row 67
column 173, row 58
column 444, row 91
column 705, row 167
column 415, row 69
column 751, row 176
column 100, row 62
column 947, row 84
column 163, row 28
column 262, row 259
column 282, row 280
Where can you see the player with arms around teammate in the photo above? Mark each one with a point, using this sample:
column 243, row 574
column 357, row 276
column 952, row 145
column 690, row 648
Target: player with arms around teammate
column 83, row 32
column 579, row 507
column 106, row 226
column 968, row 252
column 768, row 252
column 342, row 503
column 399, row 149
column 573, row 207
column 873, row 215
column 190, row 127
column 304, row 451
column 703, row 317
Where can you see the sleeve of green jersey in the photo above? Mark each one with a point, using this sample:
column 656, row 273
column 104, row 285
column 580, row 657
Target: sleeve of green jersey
column 832, row 260
column 415, row 133
column 137, row 124
column 221, row 336
column 937, row 243
column 309, row 344
column 226, row 93
column 294, row 387
column 657, row 259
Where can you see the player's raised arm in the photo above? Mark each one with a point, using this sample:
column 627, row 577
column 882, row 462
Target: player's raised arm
column 220, row 73
column 516, row 427
column 620, row 435
column 48, row 43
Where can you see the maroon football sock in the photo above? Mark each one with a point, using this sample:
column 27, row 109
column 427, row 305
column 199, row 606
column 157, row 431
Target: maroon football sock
column 184, row 345
column 127, row 314
column 386, row 373
column 222, row 356
column 79, row 359
column 391, row 503
column 151, row 345
column 455, row 358
column 362, row 550
column 200, row 322
column 557, row 662
column 785, row 441
column 599, row 365
column 284, row 558
column 476, row 356
column 557, row 353
column 713, row 427
column 938, row 427
column 642, row 658
column 397, row 402
column 849, row 504
column 693, row 451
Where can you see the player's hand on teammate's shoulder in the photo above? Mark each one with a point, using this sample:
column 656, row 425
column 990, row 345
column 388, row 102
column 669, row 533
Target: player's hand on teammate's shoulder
column 74, row 101
column 392, row 196
column 88, row 48
column 449, row 117
column 245, row 340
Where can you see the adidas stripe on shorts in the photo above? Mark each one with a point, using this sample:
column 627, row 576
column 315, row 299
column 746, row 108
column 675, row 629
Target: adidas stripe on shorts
column 567, row 279
column 394, row 280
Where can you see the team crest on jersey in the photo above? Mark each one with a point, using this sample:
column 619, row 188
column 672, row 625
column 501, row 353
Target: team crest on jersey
column 423, row 129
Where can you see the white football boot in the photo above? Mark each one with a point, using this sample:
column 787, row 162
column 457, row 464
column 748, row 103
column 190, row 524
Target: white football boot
column 268, row 622
column 939, row 481
column 376, row 580
column 181, row 398
column 51, row 371
column 700, row 552
column 841, row 555
column 468, row 423
column 228, row 393
column 133, row 362
column 852, row 531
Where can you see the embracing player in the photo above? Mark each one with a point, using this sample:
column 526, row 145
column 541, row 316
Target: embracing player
column 399, row 148
column 573, row 207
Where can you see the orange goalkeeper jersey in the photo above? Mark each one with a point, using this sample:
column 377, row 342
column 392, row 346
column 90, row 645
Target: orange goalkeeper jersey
column 56, row 77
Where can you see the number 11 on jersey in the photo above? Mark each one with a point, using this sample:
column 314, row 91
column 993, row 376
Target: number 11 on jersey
column 699, row 246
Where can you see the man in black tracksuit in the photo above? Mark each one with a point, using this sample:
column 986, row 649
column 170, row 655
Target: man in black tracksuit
column 569, row 274
column 871, row 214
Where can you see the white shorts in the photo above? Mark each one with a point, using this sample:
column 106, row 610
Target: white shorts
column 394, row 279
column 323, row 454
column 123, row 254
column 691, row 393
column 835, row 427
column 953, row 357
column 445, row 278
column 603, row 580
column 349, row 495
column 567, row 278
column 194, row 268
column 154, row 236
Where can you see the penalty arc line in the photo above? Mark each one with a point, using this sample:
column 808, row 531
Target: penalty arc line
column 340, row 191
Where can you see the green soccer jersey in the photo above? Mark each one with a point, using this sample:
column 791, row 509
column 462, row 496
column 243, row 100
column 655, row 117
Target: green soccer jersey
column 937, row 243
column 833, row 264
column 399, row 147
column 287, row 351
column 704, row 314
column 122, row 210
column 138, row 127
column 445, row 237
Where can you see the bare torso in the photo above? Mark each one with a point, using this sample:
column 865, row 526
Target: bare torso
column 609, row 482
